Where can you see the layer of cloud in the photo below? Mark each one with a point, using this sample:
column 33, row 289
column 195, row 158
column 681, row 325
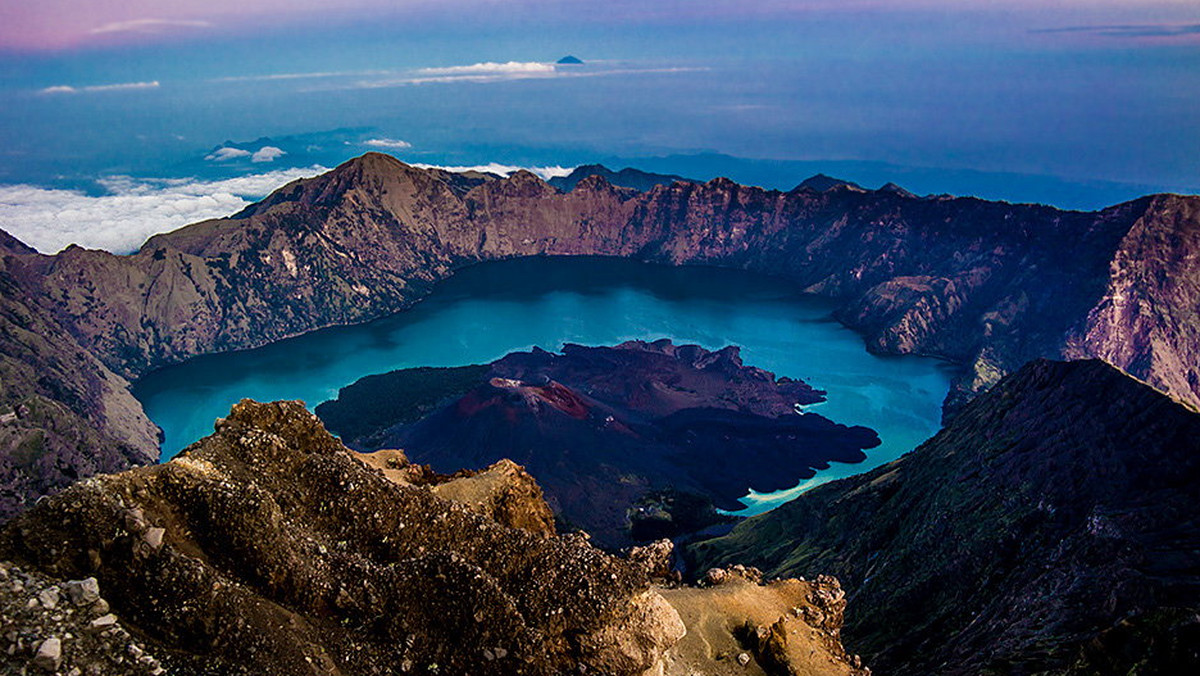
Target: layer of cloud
column 507, row 72
column 476, row 72
column 118, row 87
column 1162, row 30
column 132, row 210
column 148, row 26
column 303, row 76
column 395, row 144
column 492, row 68
column 226, row 154
column 267, row 154
column 546, row 173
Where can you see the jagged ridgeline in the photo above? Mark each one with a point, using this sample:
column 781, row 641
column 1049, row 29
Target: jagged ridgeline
column 987, row 285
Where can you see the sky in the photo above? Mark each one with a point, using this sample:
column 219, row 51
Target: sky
column 120, row 118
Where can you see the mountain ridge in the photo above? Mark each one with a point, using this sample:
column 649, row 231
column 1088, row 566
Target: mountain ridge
column 985, row 285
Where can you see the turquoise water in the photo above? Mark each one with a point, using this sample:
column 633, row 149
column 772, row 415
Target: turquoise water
column 486, row 311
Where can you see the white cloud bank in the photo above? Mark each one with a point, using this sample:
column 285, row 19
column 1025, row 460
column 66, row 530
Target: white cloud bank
column 228, row 154
column 387, row 143
column 121, row 86
column 267, row 154
column 225, row 154
column 546, row 173
column 133, row 210
column 492, row 68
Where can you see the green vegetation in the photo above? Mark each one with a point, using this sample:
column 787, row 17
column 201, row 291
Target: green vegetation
column 377, row 402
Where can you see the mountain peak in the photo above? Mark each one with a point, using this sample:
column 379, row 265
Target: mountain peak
column 895, row 189
column 824, row 182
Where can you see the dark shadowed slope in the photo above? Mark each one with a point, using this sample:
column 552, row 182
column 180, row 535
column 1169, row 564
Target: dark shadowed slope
column 1052, row 523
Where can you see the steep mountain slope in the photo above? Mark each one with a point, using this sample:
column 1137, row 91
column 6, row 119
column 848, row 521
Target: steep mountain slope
column 987, row 285
column 1051, row 525
column 63, row 414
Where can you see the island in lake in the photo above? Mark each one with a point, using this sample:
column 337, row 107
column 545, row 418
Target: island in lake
column 631, row 442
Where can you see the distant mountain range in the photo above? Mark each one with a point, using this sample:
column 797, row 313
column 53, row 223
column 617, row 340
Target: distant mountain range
column 625, row 178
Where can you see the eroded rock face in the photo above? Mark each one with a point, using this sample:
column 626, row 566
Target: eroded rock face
column 63, row 414
column 267, row 548
column 1148, row 320
column 504, row 492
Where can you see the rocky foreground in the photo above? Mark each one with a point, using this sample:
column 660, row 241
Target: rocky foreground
column 986, row 285
column 610, row 433
column 1050, row 528
column 269, row 548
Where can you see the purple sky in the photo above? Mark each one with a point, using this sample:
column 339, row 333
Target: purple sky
column 1066, row 90
column 64, row 24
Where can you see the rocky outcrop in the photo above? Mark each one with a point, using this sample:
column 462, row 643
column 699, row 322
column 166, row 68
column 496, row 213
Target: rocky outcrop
column 503, row 492
column 987, row 285
column 51, row 627
column 739, row 625
column 267, row 548
column 1049, row 528
column 605, row 430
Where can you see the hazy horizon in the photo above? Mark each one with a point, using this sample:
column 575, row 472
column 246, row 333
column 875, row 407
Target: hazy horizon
column 1077, row 104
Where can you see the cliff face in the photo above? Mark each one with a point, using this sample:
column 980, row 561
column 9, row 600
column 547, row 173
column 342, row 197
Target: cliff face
column 1048, row 528
column 988, row 285
column 1148, row 321
column 957, row 278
